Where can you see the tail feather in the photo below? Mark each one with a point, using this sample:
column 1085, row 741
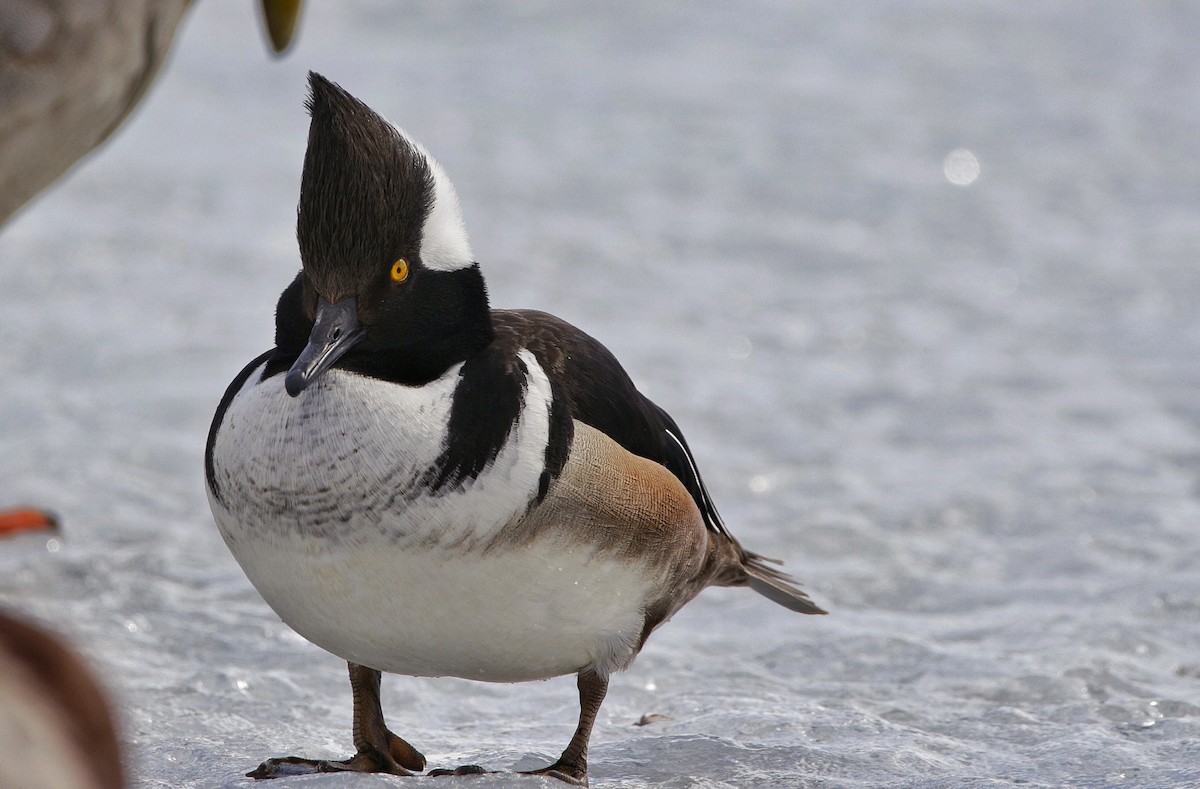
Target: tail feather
column 776, row 585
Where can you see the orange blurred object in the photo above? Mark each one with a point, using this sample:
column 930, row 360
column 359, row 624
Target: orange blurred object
column 26, row 519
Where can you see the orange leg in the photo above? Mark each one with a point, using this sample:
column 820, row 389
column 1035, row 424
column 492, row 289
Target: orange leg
column 378, row 750
column 572, row 765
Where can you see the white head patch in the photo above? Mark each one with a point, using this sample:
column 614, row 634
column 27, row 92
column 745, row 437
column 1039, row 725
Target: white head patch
column 444, row 243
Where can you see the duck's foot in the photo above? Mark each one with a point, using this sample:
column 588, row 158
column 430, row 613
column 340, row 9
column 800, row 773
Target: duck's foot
column 466, row 769
column 282, row 766
column 367, row 760
column 569, row 773
column 26, row 519
column 574, row 774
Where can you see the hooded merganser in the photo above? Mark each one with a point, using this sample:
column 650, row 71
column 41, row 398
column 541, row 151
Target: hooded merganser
column 422, row 485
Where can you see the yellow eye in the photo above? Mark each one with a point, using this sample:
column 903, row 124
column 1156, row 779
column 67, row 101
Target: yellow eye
column 400, row 270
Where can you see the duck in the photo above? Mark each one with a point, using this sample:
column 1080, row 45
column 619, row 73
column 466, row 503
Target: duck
column 72, row 73
column 422, row 485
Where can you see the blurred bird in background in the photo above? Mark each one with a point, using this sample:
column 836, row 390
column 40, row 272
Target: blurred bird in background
column 56, row 725
column 71, row 73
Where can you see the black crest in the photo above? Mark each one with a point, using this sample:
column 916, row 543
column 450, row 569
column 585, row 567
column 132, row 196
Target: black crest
column 364, row 194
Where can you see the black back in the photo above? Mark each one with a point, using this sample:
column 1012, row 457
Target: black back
column 596, row 390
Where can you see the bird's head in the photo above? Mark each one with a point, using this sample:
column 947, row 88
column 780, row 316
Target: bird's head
column 389, row 286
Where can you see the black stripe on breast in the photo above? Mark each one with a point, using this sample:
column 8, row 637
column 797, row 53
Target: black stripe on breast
column 230, row 392
column 487, row 403
column 562, row 431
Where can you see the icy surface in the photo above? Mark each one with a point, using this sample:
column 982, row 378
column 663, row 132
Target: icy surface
column 919, row 281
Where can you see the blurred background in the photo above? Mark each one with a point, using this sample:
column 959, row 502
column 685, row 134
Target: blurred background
column 919, row 281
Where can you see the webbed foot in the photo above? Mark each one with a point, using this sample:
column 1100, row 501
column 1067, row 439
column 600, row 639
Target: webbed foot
column 571, row 773
column 401, row 759
column 466, row 769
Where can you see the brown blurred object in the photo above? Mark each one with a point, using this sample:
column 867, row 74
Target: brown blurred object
column 56, row 726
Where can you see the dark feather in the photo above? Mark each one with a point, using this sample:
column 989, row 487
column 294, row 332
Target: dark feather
column 230, row 392
column 599, row 393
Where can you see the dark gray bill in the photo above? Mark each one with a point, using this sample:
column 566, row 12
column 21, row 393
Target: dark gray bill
column 335, row 331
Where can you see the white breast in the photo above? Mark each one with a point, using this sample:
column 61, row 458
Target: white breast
column 319, row 501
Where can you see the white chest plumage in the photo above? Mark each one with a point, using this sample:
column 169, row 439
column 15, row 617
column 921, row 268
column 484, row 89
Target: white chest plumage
column 320, row 499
